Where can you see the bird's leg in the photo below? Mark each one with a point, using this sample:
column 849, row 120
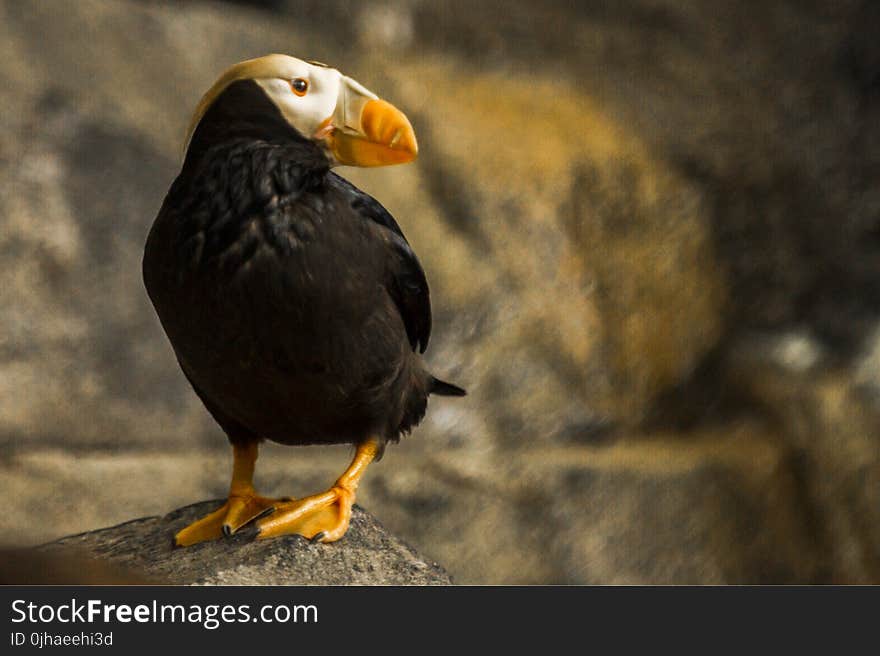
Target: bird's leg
column 243, row 506
column 322, row 517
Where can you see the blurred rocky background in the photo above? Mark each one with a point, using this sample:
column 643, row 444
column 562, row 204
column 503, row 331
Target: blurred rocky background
column 652, row 231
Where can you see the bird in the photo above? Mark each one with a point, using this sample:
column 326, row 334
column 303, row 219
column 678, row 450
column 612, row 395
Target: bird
column 293, row 302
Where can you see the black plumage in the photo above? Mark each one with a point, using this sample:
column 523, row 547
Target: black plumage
column 294, row 304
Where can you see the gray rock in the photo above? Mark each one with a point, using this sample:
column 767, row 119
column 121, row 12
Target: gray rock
column 367, row 555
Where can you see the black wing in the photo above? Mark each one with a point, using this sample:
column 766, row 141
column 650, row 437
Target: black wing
column 406, row 282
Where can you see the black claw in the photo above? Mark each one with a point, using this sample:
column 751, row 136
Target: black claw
column 265, row 513
column 318, row 537
column 227, row 530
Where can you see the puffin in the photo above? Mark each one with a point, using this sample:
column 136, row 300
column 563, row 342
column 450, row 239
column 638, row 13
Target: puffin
column 294, row 304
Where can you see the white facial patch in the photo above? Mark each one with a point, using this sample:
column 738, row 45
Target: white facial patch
column 329, row 95
column 304, row 112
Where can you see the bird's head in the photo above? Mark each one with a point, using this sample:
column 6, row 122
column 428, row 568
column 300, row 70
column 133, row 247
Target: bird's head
column 350, row 123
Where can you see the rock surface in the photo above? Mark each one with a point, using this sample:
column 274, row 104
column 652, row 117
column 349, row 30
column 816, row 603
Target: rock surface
column 367, row 555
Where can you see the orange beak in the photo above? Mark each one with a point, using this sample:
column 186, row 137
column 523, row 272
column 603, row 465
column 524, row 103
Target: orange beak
column 367, row 131
column 386, row 137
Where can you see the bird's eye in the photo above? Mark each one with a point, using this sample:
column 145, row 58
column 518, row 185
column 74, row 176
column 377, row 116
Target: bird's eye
column 299, row 86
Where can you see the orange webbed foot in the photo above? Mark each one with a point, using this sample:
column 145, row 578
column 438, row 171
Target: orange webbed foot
column 322, row 517
column 240, row 509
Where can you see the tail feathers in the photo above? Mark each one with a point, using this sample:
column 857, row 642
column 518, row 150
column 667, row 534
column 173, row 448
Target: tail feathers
column 442, row 388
